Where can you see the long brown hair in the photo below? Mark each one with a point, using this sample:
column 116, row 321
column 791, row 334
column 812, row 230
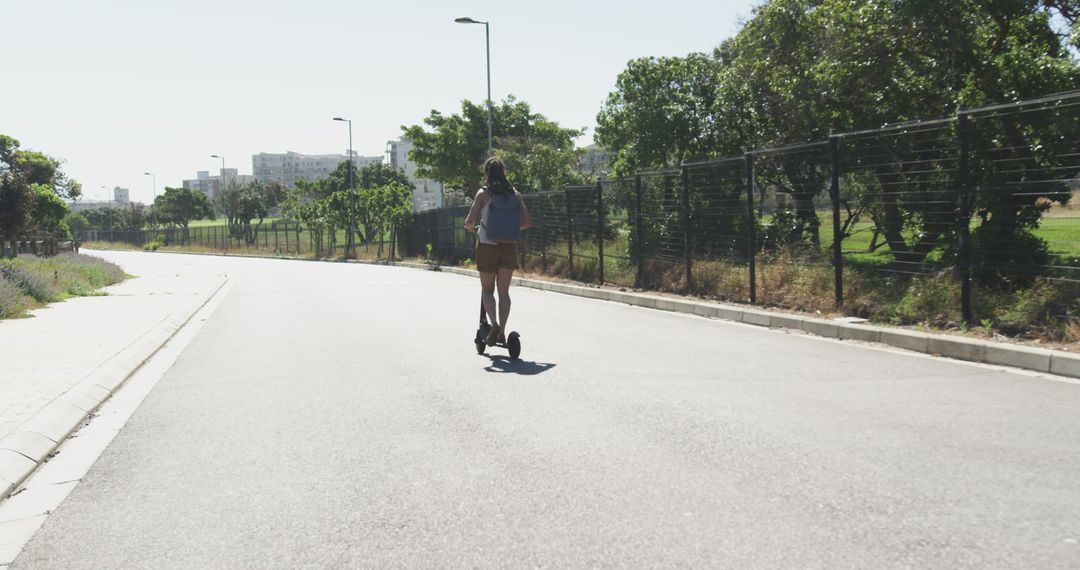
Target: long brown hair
column 495, row 176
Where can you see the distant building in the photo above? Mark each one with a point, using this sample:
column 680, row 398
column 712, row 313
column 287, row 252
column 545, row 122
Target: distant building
column 595, row 161
column 291, row 166
column 86, row 205
column 427, row 194
column 211, row 185
column 121, row 198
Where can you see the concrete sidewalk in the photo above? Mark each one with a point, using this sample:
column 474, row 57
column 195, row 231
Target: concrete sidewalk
column 59, row 365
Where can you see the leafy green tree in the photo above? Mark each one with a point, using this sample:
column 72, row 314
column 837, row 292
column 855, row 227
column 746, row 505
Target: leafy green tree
column 133, row 217
column 389, row 206
column 375, row 176
column 243, row 203
column 306, row 205
column 179, row 206
column 103, row 218
column 661, row 113
column 76, row 223
column 32, row 191
column 799, row 69
column 451, row 149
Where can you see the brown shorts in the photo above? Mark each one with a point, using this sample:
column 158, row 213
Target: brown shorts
column 490, row 258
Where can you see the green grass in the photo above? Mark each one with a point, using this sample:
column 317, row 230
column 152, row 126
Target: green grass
column 29, row 281
column 221, row 222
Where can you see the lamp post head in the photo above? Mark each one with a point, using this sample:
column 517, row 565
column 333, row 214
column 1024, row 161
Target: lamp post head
column 468, row 21
column 216, row 156
column 340, row 119
column 147, row 174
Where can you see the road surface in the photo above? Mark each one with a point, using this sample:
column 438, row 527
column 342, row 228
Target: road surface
column 337, row 415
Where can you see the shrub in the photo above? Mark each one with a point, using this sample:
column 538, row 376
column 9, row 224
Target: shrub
column 931, row 299
column 1048, row 308
column 12, row 300
column 34, row 280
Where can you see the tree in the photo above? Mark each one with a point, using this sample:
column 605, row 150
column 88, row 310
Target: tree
column 131, row 218
column 179, row 206
column 661, row 113
column 453, row 151
column 389, row 206
column 306, row 205
column 32, row 190
column 76, row 223
column 242, row 203
column 375, row 176
column 799, row 69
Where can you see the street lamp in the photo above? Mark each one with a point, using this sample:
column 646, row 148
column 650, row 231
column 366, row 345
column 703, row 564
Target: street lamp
column 221, row 184
column 487, row 43
column 352, row 196
column 153, row 177
column 108, row 211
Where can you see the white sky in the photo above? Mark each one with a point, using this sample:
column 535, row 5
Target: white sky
column 118, row 88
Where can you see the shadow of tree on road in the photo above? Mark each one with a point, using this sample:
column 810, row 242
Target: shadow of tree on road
column 505, row 365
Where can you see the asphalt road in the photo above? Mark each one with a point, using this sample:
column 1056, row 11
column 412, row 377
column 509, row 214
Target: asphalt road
column 333, row 416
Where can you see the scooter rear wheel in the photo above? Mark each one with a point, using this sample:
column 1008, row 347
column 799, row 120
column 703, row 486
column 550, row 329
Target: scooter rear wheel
column 513, row 343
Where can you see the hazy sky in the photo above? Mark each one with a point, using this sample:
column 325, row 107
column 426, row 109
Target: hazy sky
column 118, row 88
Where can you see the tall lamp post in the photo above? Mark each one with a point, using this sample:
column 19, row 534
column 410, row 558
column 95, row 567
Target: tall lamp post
column 221, row 186
column 153, row 177
column 487, row 43
column 108, row 211
column 352, row 194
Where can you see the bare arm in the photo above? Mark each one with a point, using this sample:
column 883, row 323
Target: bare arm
column 474, row 212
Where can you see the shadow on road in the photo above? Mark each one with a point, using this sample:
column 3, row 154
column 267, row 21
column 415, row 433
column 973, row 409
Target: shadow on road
column 504, row 364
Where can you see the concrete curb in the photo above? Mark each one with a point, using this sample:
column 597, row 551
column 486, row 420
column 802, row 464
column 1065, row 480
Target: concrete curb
column 972, row 350
column 959, row 348
column 22, row 451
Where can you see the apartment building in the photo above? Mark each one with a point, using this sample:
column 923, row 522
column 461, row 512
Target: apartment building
column 211, row 185
column 427, row 194
column 289, row 167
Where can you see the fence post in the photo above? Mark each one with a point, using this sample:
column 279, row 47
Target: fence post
column 570, row 231
column 600, row 227
column 686, row 230
column 543, row 239
column 638, row 233
column 751, row 244
column 966, row 196
column 834, row 193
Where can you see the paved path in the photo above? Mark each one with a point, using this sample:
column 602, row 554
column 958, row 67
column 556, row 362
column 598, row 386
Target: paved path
column 333, row 415
column 46, row 355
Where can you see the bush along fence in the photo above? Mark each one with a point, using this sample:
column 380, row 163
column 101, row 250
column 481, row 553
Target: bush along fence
column 276, row 237
column 970, row 220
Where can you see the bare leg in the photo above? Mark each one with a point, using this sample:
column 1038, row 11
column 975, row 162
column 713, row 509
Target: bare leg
column 503, row 282
column 487, row 296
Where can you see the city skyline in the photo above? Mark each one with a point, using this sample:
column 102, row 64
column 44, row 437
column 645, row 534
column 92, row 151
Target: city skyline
column 121, row 88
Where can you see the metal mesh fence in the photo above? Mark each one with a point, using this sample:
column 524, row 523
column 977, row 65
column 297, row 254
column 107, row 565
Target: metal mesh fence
column 1025, row 174
column 722, row 228
column 619, row 215
column 901, row 198
column 662, row 231
column 971, row 212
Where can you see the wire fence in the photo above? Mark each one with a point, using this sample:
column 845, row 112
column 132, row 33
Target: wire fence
column 279, row 237
column 949, row 219
column 974, row 204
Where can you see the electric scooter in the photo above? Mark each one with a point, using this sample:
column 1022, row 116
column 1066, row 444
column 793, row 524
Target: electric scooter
column 513, row 340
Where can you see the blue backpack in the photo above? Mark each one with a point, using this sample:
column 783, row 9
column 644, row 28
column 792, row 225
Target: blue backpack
column 503, row 221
